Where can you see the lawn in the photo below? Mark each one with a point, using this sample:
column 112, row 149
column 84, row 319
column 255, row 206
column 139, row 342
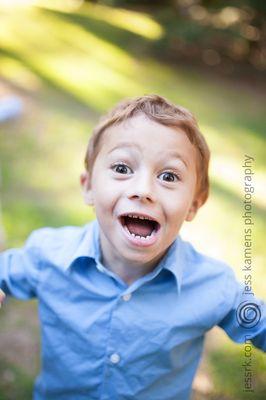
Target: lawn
column 69, row 66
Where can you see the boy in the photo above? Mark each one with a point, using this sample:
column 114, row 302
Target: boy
column 124, row 303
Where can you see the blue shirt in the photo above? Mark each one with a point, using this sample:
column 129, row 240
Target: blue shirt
column 105, row 340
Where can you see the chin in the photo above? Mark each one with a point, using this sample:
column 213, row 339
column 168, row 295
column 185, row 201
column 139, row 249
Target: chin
column 141, row 258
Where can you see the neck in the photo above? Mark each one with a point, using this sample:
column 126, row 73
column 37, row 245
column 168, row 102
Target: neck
column 127, row 270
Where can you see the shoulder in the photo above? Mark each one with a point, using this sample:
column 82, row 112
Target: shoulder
column 55, row 237
column 57, row 244
column 208, row 282
column 207, row 275
column 200, row 265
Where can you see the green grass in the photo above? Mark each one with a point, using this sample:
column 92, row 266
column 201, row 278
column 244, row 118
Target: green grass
column 68, row 68
column 15, row 383
column 228, row 371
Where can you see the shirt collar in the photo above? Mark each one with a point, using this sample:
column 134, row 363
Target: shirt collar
column 89, row 246
column 174, row 261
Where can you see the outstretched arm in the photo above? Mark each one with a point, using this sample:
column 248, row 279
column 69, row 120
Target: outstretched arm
column 245, row 319
column 20, row 269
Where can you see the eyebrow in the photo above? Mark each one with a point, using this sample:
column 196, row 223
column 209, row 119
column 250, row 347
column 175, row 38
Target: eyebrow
column 172, row 154
column 122, row 145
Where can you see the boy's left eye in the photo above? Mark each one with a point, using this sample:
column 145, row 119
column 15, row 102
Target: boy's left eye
column 169, row 177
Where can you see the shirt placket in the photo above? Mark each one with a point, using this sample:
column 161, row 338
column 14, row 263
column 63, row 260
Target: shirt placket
column 115, row 358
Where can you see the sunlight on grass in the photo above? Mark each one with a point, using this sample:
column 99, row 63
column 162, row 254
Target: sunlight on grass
column 230, row 173
column 88, row 84
column 75, row 38
column 236, row 143
column 14, row 4
column 132, row 21
column 73, row 58
column 19, row 75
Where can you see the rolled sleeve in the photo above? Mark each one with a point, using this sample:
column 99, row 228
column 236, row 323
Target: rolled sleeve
column 20, row 268
column 245, row 315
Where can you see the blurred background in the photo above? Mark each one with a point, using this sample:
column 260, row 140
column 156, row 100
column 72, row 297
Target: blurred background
column 65, row 62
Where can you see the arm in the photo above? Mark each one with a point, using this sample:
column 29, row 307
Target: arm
column 245, row 317
column 19, row 269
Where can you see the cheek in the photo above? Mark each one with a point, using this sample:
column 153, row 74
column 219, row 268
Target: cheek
column 101, row 187
column 103, row 200
column 176, row 208
column 105, row 196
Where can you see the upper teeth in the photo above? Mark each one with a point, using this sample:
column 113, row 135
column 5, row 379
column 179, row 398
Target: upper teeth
column 139, row 216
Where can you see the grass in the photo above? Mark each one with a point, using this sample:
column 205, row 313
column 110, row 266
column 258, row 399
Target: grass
column 15, row 383
column 228, row 374
column 68, row 68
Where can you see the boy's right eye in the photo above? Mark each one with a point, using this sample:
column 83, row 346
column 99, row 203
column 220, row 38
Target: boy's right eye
column 122, row 169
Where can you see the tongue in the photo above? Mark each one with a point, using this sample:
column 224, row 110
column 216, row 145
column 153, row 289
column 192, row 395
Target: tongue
column 140, row 227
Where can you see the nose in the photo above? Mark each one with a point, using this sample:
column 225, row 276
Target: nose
column 142, row 188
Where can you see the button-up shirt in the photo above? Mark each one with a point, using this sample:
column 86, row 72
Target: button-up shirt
column 105, row 340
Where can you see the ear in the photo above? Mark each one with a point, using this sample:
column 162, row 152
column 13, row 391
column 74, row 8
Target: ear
column 193, row 209
column 86, row 188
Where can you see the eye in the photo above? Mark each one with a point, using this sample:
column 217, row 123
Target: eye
column 169, row 177
column 121, row 169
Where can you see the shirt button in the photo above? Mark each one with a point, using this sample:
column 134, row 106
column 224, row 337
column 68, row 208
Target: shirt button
column 115, row 358
column 127, row 297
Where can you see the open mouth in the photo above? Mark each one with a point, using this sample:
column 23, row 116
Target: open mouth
column 139, row 226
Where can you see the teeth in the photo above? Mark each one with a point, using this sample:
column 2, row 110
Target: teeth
column 139, row 237
column 139, row 217
column 145, row 238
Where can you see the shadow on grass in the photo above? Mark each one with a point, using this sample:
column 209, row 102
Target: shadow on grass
column 132, row 43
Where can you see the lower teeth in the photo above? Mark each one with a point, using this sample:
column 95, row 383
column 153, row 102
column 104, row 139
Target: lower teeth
column 140, row 237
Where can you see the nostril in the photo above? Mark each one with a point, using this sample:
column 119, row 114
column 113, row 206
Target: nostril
column 142, row 197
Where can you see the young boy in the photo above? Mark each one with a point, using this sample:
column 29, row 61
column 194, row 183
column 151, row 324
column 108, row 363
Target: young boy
column 124, row 303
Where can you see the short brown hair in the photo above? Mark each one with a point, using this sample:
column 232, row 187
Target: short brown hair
column 162, row 111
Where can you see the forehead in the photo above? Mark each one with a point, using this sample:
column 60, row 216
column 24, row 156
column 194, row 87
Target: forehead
column 141, row 134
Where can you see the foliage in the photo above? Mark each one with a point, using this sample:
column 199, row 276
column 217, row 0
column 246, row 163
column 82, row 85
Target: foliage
column 219, row 34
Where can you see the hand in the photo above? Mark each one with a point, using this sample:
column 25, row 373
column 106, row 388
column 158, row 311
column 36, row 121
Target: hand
column 2, row 296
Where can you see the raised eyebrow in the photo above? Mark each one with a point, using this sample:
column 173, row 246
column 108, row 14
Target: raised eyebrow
column 131, row 146
column 123, row 145
column 174, row 155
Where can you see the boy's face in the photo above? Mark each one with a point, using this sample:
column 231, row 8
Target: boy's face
column 143, row 169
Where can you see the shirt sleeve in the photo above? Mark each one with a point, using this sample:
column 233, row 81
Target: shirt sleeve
column 245, row 315
column 20, row 268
